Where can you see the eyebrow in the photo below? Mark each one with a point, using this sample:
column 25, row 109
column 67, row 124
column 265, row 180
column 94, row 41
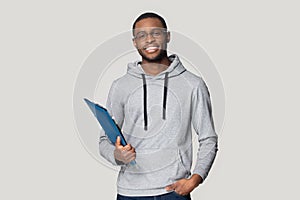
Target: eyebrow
column 155, row 29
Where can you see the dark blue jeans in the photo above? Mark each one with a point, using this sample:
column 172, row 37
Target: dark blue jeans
column 169, row 196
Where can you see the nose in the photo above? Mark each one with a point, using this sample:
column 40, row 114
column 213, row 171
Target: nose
column 150, row 38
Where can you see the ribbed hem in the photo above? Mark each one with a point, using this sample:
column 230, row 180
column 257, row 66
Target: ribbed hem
column 148, row 192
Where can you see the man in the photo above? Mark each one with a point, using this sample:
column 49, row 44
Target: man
column 156, row 103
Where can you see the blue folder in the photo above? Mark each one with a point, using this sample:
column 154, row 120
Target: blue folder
column 108, row 124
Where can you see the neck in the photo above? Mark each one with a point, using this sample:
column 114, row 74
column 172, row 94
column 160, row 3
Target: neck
column 154, row 68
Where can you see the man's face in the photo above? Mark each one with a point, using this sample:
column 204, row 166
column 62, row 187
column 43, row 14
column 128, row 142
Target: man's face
column 150, row 39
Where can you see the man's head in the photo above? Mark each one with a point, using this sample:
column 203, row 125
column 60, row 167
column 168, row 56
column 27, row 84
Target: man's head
column 149, row 15
column 150, row 37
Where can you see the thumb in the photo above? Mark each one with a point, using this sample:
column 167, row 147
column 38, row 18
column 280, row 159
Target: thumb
column 118, row 141
column 170, row 187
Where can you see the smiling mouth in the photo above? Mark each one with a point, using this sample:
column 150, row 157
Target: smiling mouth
column 151, row 49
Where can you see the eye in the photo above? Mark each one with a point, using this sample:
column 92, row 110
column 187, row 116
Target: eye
column 156, row 33
column 141, row 35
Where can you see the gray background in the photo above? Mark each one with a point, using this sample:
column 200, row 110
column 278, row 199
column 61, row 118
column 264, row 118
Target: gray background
column 254, row 45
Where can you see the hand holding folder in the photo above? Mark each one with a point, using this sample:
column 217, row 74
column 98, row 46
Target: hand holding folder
column 122, row 153
column 108, row 124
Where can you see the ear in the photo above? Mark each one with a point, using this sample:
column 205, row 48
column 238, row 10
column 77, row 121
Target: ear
column 134, row 42
column 168, row 36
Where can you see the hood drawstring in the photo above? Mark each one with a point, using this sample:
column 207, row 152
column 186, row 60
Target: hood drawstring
column 145, row 103
column 164, row 99
column 165, row 95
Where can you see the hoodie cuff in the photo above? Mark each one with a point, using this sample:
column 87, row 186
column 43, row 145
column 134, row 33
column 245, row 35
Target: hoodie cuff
column 200, row 172
column 119, row 163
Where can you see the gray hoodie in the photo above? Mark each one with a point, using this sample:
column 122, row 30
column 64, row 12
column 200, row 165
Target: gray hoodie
column 156, row 115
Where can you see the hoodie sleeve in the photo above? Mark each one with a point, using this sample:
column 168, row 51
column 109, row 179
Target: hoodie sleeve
column 204, row 126
column 115, row 109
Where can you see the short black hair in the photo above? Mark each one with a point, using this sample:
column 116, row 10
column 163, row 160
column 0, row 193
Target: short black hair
column 149, row 15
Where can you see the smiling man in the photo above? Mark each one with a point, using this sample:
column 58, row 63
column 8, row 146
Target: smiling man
column 156, row 103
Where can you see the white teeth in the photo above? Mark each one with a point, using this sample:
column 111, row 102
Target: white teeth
column 151, row 49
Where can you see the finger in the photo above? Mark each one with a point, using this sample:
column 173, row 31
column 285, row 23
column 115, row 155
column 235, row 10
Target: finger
column 132, row 150
column 131, row 157
column 182, row 188
column 179, row 189
column 128, row 154
column 128, row 147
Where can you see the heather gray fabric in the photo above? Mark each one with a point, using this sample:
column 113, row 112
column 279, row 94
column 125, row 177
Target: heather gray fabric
column 164, row 148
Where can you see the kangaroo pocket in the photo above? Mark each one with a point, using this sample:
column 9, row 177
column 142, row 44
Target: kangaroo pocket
column 154, row 169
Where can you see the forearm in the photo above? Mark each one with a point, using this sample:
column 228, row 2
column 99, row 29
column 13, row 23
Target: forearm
column 106, row 150
column 205, row 157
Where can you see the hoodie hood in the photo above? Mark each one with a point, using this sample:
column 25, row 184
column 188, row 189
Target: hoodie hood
column 175, row 68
